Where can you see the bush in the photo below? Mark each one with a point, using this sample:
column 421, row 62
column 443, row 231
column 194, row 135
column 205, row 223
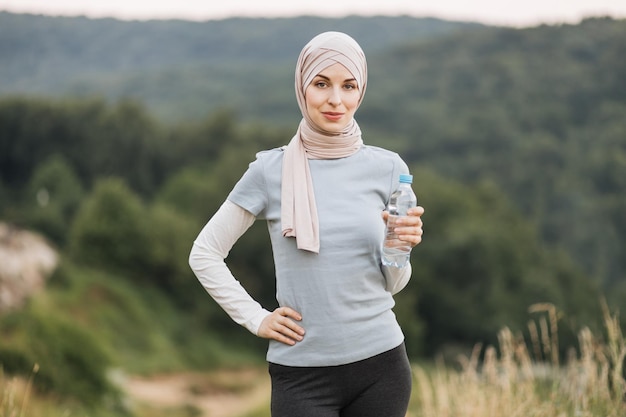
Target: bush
column 71, row 360
column 171, row 237
column 110, row 230
column 52, row 198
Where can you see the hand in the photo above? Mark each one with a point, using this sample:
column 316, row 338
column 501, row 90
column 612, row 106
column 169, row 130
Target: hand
column 409, row 228
column 280, row 326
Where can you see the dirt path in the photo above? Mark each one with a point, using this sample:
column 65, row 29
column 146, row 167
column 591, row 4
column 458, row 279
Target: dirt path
column 223, row 393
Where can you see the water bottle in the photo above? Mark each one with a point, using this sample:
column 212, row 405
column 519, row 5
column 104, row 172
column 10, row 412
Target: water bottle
column 396, row 252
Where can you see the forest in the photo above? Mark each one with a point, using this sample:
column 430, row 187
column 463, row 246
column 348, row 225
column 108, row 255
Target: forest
column 118, row 149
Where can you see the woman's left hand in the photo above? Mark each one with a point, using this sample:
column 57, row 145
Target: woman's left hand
column 409, row 228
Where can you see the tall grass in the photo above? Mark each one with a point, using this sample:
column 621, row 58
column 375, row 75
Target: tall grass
column 14, row 394
column 516, row 378
column 510, row 381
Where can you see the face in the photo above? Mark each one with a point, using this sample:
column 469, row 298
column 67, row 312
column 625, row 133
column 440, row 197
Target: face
column 332, row 98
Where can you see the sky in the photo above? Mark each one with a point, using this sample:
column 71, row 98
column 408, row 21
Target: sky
column 494, row 12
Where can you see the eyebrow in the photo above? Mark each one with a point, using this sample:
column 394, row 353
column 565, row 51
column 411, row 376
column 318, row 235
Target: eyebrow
column 328, row 79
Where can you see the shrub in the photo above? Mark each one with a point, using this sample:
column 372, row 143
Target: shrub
column 71, row 361
column 111, row 229
column 52, row 198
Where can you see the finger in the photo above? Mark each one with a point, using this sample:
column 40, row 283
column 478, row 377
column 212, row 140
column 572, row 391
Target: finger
column 278, row 336
column 271, row 328
column 292, row 327
column 414, row 239
column 286, row 318
column 285, row 330
column 408, row 221
column 407, row 232
column 289, row 312
column 290, row 334
column 416, row 211
column 286, row 315
column 409, row 229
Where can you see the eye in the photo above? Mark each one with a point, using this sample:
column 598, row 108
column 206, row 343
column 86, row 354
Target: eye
column 320, row 84
column 350, row 86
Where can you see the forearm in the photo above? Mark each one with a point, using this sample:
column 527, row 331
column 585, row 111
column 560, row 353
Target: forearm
column 206, row 259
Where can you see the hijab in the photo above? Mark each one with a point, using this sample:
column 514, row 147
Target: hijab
column 298, row 209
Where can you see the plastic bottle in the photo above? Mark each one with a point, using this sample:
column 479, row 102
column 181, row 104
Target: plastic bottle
column 395, row 251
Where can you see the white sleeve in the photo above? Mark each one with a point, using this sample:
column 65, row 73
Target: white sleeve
column 397, row 278
column 206, row 260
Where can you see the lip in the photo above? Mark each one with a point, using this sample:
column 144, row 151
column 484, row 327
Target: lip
column 332, row 115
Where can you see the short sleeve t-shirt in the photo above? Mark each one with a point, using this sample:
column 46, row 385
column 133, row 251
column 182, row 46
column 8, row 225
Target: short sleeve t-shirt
column 340, row 292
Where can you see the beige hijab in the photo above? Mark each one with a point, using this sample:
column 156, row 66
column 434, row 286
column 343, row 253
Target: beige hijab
column 298, row 210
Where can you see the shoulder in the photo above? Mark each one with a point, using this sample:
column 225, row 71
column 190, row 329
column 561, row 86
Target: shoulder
column 267, row 158
column 382, row 155
column 384, row 164
column 270, row 155
column 380, row 152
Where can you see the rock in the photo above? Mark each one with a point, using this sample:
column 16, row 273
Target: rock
column 26, row 261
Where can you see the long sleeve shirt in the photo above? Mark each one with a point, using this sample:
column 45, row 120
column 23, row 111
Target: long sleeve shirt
column 343, row 293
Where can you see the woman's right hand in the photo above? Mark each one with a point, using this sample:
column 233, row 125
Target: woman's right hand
column 281, row 326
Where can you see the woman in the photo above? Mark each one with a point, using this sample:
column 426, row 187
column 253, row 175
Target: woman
column 335, row 347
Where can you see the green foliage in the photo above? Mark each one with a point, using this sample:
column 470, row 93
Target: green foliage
column 95, row 139
column 171, row 235
column 111, row 229
column 192, row 193
column 482, row 265
column 516, row 137
column 4, row 198
column 90, row 325
column 130, row 319
column 70, row 359
column 142, row 327
column 534, row 110
column 53, row 196
column 169, row 62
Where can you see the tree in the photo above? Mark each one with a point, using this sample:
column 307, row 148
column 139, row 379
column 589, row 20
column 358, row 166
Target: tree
column 52, row 197
column 111, row 230
column 482, row 264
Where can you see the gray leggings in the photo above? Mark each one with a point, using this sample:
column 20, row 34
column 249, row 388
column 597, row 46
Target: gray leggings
column 376, row 387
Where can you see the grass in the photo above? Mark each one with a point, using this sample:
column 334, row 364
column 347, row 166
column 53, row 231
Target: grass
column 509, row 382
column 519, row 379
column 15, row 394
column 515, row 378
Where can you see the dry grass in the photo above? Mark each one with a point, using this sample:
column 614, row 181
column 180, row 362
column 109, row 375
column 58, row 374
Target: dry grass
column 15, row 394
column 514, row 379
column 508, row 382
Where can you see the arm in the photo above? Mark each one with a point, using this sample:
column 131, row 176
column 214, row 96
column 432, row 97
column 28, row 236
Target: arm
column 206, row 260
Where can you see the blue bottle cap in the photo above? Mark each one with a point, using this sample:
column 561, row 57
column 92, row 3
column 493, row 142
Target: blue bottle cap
column 406, row 178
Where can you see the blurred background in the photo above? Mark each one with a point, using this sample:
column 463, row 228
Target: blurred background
column 124, row 125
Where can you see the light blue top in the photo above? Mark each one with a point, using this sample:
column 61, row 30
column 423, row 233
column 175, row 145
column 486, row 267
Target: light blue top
column 340, row 292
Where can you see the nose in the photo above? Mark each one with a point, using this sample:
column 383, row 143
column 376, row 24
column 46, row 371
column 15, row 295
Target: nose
column 334, row 97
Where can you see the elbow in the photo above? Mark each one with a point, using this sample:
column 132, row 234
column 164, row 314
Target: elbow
column 202, row 259
column 194, row 258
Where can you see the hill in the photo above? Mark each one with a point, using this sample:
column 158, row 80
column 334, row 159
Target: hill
column 516, row 138
column 198, row 65
column 539, row 110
